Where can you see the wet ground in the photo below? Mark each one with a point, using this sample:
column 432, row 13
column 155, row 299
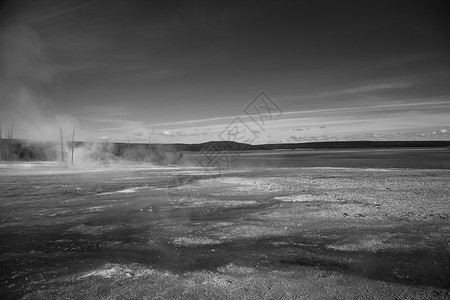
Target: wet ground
column 179, row 233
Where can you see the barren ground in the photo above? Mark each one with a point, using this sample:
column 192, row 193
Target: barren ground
column 186, row 233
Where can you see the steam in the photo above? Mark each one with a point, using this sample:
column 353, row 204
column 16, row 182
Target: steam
column 93, row 154
column 25, row 74
column 110, row 155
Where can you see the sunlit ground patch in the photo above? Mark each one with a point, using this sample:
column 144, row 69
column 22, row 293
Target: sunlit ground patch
column 304, row 198
column 125, row 191
column 118, row 270
column 232, row 268
column 192, row 241
column 93, row 230
column 381, row 242
column 248, row 231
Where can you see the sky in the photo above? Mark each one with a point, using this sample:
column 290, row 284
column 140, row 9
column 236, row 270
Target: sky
column 248, row 71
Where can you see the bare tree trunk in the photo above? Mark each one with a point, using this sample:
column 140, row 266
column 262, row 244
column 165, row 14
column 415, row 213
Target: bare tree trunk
column 73, row 142
column 10, row 145
column 63, row 154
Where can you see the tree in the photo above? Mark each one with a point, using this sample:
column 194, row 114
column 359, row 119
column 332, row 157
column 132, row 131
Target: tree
column 63, row 151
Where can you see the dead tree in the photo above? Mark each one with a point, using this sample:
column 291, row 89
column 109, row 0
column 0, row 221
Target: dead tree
column 73, row 142
column 10, row 145
column 63, row 151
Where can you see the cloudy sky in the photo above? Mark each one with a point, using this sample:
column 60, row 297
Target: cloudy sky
column 190, row 71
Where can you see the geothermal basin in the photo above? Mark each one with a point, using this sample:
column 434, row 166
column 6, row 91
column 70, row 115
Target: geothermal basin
column 363, row 224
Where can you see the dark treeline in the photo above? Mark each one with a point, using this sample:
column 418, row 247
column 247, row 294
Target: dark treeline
column 357, row 144
column 14, row 149
column 234, row 146
column 24, row 150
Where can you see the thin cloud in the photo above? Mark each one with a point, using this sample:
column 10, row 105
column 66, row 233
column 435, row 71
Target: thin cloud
column 427, row 102
column 377, row 87
column 367, row 88
column 58, row 11
column 153, row 75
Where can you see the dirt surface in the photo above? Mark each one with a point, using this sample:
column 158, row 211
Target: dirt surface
column 187, row 233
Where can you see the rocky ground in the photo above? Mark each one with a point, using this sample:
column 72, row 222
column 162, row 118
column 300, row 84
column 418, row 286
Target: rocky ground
column 187, row 233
